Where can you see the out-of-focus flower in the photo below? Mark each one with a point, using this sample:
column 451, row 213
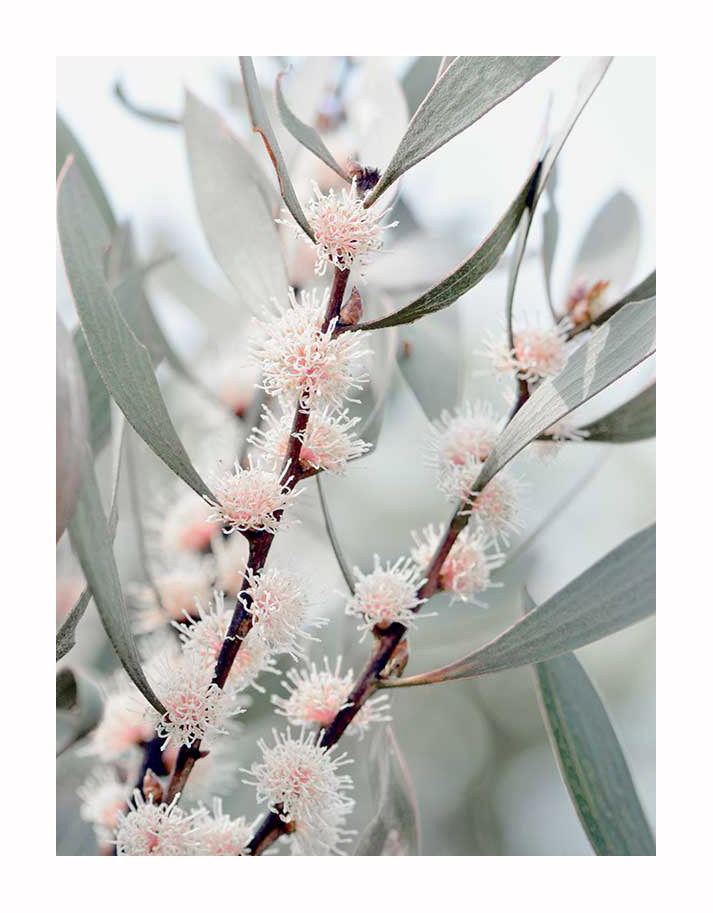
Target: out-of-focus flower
column 466, row 570
column 178, row 589
column 220, row 835
column 251, row 499
column 122, row 727
column 317, row 695
column 231, row 555
column 280, row 607
column 181, row 523
column 496, row 509
column 233, row 379
column 147, row 829
column 103, row 794
column 386, row 595
column 538, row 352
column 300, row 780
column 328, row 443
column 322, row 838
column 559, row 433
column 345, row 233
column 301, row 363
column 216, row 773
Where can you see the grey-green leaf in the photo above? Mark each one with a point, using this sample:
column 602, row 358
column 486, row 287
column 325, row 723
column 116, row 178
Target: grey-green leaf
column 418, row 80
column 81, row 704
column 123, row 362
column 468, row 89
column 235, row 207
column 615, row 348
column 591, row 760
column 634, row 421
column 395, row 829
column 92, row 542
column 261, row 124
column 67, row 145
column 618, row 591
column 67, row 634
column 431, row 361
column 469, row 273
column 303, row 133
column 71, row 427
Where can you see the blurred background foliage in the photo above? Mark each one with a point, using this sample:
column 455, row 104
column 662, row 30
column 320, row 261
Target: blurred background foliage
column 483, row 771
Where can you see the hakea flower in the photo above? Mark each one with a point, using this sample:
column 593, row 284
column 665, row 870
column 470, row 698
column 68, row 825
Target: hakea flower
column 182, row 523
column 299, row 780
column 122, row 727
column 251, row 499
column 386, row 595
column 299, row 362
column 103, row 795
column 203, row 638
column 196, row 708
column 231, row 557
column 147, row 829
column 177, row 592
column 466, row 570
column 279, row 604
column 317, row 695
column 327, row 444
column 323, row 838
column 558, row 434
column 346, row 234
column 538, row 352
column 496, row 509
column 220, row 835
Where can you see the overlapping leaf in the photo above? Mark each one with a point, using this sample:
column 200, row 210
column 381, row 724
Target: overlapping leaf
column 72, row 427
column 618, row 591
column 591, row 760
column 123, row 362
column 468, row 89
column 634, row 421
column 645, row 289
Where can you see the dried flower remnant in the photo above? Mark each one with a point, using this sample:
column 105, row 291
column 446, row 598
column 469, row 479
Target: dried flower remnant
column 280, row 607
column 345, row 233
column 147, row 829
column 315, row 696
column 251, row 499
column 299, row 779
column 103, row 795
column 220, row 835
column 299, row 362
column 386, row 595
column 328, row 443
column 586, row 302
column 466, row 571
column 196, row 708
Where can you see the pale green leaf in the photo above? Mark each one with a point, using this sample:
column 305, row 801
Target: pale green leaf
column 395, row 829
column 431, row 361
column 618, row 591
column 615, row 348
column 92, row 542
column 468, row 89
column 303, row 133
column 123, row 362
column 235, row 207
column 591, row 760
column 261, row 124
column 71, row 427
column 67, row 145
column 634, row 421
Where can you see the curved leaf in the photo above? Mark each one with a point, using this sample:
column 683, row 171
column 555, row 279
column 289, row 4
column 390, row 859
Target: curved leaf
column 303, row 133
column 615, row 348
column 123, row 362
column 72, row 426
column 261, row 124
column 234, row 207
column 617, row 591
column 634, row 421
column 468, row 89
column 81, row 704
column 395, row 829
column 591, row 761
column 468, row 274
column 92, row 542
column 67, row 145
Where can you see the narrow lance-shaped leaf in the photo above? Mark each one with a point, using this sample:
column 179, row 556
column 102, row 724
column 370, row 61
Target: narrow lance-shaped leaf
column 67, row 144
column 72, row 427
column 418, row 80
column 591, row 761
column 92, row 543
column 468, row 274
column 617, row 347
column 261, row 124
column 634, row 421
column 468, row 89
column 123, row 362
column 618, row 591
column 81, row 700
column 395, row 829
column 303, row 133
column 235, row 207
